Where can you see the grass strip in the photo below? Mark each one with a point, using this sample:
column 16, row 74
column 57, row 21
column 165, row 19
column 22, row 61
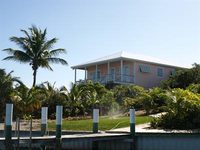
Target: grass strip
column 105, row 123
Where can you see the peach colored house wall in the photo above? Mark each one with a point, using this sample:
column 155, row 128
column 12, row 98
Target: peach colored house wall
column 151, row 79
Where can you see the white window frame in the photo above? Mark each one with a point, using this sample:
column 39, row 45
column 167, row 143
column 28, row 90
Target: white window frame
column 144, row 68
column 160, row 74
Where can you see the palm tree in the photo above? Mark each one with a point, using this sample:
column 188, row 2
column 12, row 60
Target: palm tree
column 36, row 50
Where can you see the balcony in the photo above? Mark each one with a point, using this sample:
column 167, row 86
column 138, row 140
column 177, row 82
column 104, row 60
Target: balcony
column 115, row 78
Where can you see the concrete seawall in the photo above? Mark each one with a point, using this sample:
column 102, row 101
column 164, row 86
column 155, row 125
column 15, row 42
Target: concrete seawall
column 113, row 141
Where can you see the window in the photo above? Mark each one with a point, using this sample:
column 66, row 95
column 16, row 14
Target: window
column 112, row 74
column 92, row 76
column 126, row 70
column 160, row 72
column 98, row 75
column 144, row 69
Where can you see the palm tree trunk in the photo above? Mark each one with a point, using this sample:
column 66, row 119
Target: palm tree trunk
column 34, row 77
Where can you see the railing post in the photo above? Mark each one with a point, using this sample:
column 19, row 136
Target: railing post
column 18, row 132
column 8, row 128
column 132, row 122
column 95, row 120
column 44, row 118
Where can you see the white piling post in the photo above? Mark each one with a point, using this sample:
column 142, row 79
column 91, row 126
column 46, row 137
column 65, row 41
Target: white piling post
column 59, row 112
column 44, row 118
column 8, row 130
column 95, row 120
column 132, row 121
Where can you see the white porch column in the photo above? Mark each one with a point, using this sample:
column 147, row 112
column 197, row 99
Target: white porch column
column 75, row 76
column 85, row 74
column 121, row 69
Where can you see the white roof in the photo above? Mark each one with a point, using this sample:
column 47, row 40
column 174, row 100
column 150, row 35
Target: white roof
column 126, row 56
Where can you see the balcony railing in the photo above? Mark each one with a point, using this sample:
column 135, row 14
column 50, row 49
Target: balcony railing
column 115, row 78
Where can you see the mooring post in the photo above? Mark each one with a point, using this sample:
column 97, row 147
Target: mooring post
column 18, row 132
column 8, row 128
column 31, row 128
column 59, row 112
column 44, row 115
column 95, row 120
column 132, row 122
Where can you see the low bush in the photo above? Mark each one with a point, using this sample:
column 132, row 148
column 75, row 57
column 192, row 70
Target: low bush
column 183, row 111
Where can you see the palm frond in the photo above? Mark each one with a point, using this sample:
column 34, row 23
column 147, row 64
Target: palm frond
column 47, row 67
column 44, row 64
column 21, row 42
column 56, row 52
column 27, row 35
column 12, row 58
column 44, row 33
column 22, row 56
column 57, row 61
column 49, row 44
column 17, row 55
column 9, row 51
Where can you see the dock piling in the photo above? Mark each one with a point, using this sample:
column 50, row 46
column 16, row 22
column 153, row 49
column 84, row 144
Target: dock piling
column 44, row 118
column 132, row 122
column 95, row 120
column 8, row 127
column 59, row 112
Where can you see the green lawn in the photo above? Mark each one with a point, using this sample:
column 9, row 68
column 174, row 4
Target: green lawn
column 105, row 123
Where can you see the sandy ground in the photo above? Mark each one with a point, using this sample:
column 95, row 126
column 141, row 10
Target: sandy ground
column 24, row 125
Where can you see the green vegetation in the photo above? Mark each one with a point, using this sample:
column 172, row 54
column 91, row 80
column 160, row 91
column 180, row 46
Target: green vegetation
column 6, row 90
column 183, row 111
column 182, row 78
column 105, row 123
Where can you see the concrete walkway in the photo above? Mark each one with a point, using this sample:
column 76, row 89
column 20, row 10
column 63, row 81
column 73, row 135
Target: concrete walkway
column 146, row 128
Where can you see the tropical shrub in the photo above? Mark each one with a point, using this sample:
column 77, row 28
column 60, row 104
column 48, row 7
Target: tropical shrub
column 132, row 102
column 182, row 78
column 108, row 104
column 52, row 96
column 159, row 99
column 121, row 92
column 195, row 88
column 26, row 101
column 183, row 111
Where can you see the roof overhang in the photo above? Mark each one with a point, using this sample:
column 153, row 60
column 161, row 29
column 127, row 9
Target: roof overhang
column 127, row 56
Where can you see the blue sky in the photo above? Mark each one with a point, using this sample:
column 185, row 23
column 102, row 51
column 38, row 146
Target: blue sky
column 88, row 29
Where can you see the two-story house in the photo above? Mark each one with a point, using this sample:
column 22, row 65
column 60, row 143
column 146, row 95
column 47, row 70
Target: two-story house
column 127, row 68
